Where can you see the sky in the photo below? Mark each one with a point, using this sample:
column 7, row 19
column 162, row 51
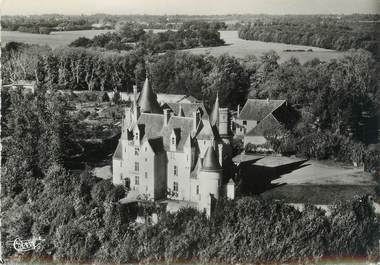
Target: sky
column 192, row 7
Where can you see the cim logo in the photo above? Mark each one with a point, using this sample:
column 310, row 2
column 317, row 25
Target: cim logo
column 22, row 246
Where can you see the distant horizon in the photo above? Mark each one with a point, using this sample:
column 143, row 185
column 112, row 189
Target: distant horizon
column 184, row 14
column 189, row 7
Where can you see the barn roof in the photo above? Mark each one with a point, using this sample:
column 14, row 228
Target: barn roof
column 268, row 124
column 258, row 109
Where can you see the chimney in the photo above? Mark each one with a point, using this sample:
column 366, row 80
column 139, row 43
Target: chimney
column 136, row 110
column 180, row 110
column 267, row 100
column 166, row 116
column 196, row 120
column 220, row 154
column 238, row 110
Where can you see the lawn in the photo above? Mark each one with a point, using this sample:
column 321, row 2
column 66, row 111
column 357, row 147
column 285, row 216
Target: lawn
column 321, row 183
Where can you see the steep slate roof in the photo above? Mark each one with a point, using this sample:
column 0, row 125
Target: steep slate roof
column 148, row 99
column 257, row 109
column 214, row 117
column 181, row 125
column 188, row 109
column 205, row 131
column 268, row 124
column 118, row 152
column 210, row 161
column 153, row 124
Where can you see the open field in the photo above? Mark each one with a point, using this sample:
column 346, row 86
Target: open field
column 319, row 173
column 234, row 46
column 321, row 183
column 54, row 39
column 241, row 48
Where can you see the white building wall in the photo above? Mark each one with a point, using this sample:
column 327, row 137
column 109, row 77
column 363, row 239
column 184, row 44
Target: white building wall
column 117, row 172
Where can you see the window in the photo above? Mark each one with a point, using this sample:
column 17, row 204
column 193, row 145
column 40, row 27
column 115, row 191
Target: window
column 175, row 186
column 136, row 166
column 121, row 176
column 146, row 149
column 137, row 150
column 173, row 140
column 197, row 190
column 137, row 180
column 244, row 122
column 136, row 136
column 146, row 159
column 175, row 171
column 146, row 175
column 146, row 188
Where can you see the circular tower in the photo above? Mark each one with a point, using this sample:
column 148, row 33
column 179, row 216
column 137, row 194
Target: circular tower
column 210, row 178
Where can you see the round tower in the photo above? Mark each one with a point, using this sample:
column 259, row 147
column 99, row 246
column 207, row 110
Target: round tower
column 210, row 178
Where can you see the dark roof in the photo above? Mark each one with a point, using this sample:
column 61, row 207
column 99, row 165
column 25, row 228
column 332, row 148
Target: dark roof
column 210, row 161
column 157, row 145
column 148, row 99
column 258, row 109
column 268, row 124
column 118, row 152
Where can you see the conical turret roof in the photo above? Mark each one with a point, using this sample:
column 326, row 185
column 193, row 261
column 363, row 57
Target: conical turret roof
column 214, row 117
column 148, row 99
column 210, row 161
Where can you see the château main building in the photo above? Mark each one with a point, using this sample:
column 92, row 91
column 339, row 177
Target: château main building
column 174, row 150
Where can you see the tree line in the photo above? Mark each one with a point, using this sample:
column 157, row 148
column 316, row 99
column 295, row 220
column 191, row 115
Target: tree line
column 339, row 36
column 339, row 97
column 129, row 35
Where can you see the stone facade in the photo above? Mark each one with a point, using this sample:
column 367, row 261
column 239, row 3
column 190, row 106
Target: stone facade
column 162, row 153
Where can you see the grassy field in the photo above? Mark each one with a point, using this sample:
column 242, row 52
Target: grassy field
column 241, row 48
column 321, row 183
column 234, row 46
column 54, row 39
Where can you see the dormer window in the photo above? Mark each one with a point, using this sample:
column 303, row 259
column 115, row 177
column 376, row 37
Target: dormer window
column 174, row 139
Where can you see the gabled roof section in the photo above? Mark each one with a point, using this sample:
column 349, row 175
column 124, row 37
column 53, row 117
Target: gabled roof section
column 205, row 131
column 118, row 152
column 188, row 109
column 268, row 124
column 153, row 124
column 210, row 161
column 148, row 99
column 180, row 125
column 258, row 109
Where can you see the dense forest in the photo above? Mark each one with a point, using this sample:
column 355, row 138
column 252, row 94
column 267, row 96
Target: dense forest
column 336, row 35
